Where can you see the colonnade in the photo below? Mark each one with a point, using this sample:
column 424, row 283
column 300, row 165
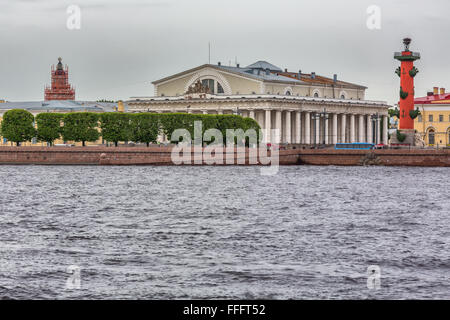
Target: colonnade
column 313, row 127
column 304, row 127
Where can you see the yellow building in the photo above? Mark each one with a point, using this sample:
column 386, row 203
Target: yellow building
column 434, row 121
column 36, row 107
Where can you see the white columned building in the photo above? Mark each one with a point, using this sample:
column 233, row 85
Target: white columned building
column 274, row 98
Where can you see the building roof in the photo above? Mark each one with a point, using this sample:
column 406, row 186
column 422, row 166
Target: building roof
column 258, row 70
column 263, row 65
column 258, row 73
column 60, row 105
column 434, row 99
column 316, row 79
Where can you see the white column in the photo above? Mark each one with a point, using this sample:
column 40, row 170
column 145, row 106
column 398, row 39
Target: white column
column 352, row 129
column 277, row 138
column 335, row 131
column 385, row 130
column 252, row 114
column 307, row 128
column 298, row 127
column 268, row 126
column 362, row 137
column 325, row 123
column 317, row 129
column 343, row 128
column 377, row 138
column 287, row 134
column 369, row 129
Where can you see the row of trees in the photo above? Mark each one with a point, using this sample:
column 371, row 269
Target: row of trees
column 20, row 126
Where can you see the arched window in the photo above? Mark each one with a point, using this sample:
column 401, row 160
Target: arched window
column 208, row 83
column 288, row 93
column 342, row 96
column 448, row 137
column 214, row 86
column 431, row 137
column 316, row 94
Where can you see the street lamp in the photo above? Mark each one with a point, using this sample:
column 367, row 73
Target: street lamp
column 318, row 115
column 375, row 119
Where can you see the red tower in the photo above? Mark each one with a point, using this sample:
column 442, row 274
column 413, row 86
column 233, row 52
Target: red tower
column 407, row 71
column 60, row 88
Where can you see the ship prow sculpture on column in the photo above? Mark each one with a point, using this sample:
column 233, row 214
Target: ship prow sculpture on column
column 406, row 114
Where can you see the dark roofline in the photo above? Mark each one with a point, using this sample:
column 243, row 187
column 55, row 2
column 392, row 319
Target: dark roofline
column 302, row 81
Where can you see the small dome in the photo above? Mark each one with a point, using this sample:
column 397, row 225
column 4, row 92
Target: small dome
column 60, row 65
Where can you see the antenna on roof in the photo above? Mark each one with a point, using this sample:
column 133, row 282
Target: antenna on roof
column 209, row 52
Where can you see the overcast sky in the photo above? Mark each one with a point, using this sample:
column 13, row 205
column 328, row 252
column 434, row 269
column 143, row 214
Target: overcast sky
column 123, row 45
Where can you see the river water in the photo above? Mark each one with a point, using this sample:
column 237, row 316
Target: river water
column 224, row 232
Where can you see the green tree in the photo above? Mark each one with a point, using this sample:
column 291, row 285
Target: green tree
column 18, row 126
column 144, row 127
column 115, row 126
column 169, row 122
column 80, row 127
column 49, row 126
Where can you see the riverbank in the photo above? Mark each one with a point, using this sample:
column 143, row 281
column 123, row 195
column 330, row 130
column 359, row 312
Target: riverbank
column 163, row 156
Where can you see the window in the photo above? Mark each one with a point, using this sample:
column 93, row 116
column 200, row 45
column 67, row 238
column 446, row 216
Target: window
column 441, row 118
column 343, row 97
column 219, row 88
column 419, row 118
column 209, row 83
column 430, row 118
column 316, row 95
column 288, row 93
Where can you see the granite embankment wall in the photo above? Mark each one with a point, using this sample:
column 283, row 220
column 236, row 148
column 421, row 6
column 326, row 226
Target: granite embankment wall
column 162, row 156
column 399, row 157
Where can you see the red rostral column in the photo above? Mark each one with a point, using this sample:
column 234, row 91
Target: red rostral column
column 406, row 72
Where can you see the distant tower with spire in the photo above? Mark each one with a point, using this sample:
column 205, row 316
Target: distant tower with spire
column 60, row 88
